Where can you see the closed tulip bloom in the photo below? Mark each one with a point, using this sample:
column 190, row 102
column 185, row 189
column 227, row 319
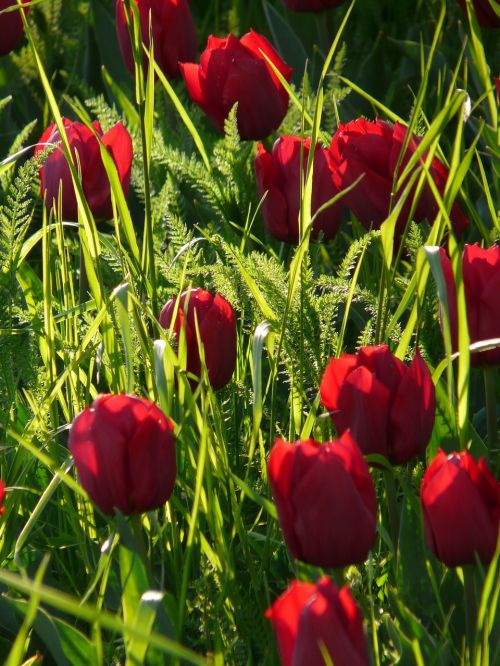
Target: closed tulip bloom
column 11, row 27
column 481, row 277
column 234, row 70
column 460, row 501
column 279, row 174
column 2, row 497
column 124, row 453
column 308, row 617
column 173, row 29
column 311, row 5
column 217, row 330
column 325, row 500
column 372, row 149
column 388, row 406
column 485, row 14
column 55, row 172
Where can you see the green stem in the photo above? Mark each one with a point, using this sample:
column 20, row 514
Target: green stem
column 148, row 254
column 470, row 610
column 84, row 281
column 392, row 505
column 136, row 525
column 491, row 409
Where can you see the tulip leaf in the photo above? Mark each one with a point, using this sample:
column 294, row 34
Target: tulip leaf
column 122, row 306
column 144, row 618
column 90, row 613
column 66, row 644
column 412, row 578
column 286, row 40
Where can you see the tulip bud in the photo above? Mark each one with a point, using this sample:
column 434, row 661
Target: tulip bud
column 55, row 172
column 217, row 331
column 279, row 173
column 377, row 396
column 325, row 500
column 461, row 507
column 311, row 5
column 311, row 620
column 481, row 277
column 124, row 453
column 372, row 150
column 173, row 29
column 11, row 26
column 234, row 70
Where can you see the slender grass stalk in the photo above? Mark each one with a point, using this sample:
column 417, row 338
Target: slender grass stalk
column 470, row 604
column 392, row 506
column 489, row 375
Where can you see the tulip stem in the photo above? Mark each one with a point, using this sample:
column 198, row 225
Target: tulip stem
column 136, row 525
column 470, row 610
column 491, row 409
column 392, row 506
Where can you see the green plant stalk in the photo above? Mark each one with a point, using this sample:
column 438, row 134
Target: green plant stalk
column 392, row 506
column 470, row 610
column 136, row 525
column 148, row 255
column 491, row 409
column 84, row 280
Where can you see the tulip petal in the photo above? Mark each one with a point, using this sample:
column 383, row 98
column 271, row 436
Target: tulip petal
column 412, row 413
column 285, row 614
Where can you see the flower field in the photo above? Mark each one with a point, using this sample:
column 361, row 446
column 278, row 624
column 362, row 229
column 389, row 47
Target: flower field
column 249, row 332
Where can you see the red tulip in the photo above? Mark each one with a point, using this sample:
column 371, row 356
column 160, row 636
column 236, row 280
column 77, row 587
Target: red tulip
column 378, row 397
column 123, row 447
column 2, row 497
column 11, row 27
column 279, row 174
column 311, row 5
column 174, row 33
column 485, row 13
column 234, row 70
column 373, row 149
column 217, row 329
column 325, row 499
column 461, row 507
column 481, row 276
column 309, row 617
column 55, row 172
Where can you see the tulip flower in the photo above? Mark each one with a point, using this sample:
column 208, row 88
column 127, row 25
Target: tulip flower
column 279, row 173
column 2, row 497
column 311, row 5
column 372, row 150
column 378, row 398
column 481, row 277
column 55, row 172
column 234, row 70
column 485, row 14
column 325, row 500
column 311, row 620
column 11, row 26
column 217, row 330
column 124, row 453
column 460, row 501
column 173, row 29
